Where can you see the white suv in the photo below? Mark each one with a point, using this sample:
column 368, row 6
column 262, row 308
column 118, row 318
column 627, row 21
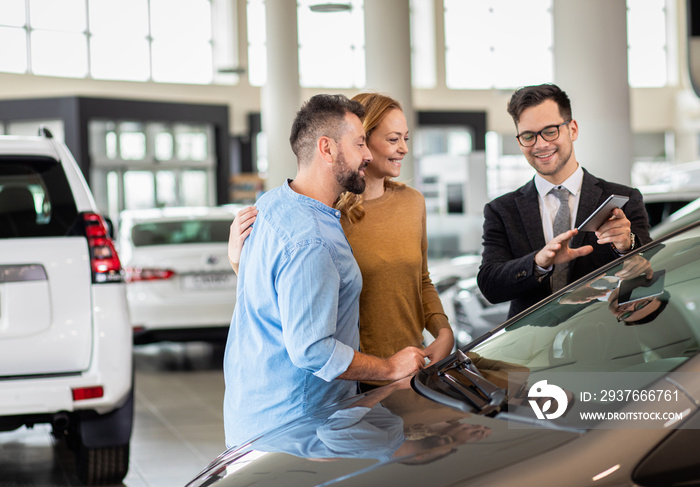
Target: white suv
column 65, row 336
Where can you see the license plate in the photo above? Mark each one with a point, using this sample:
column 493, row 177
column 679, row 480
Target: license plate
column 219, row 280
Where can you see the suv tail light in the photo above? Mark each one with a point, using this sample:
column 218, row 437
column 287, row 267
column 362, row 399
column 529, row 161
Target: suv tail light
column 134, row 274
column 83, row 393
column 104, row 260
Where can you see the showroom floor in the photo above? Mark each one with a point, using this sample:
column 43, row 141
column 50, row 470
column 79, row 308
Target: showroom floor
column 178, row 425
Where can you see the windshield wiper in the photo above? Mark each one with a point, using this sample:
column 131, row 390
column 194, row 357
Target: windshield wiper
column 459, row 384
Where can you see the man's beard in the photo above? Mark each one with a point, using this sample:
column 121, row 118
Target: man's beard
column 348, row 179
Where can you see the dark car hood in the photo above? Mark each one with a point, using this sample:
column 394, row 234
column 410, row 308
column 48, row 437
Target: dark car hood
column 378, row 439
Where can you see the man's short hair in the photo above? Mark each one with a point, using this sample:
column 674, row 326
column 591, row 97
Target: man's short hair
column 530, row 96
column 321, row 115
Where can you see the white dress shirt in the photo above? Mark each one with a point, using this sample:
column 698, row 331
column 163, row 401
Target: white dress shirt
column 549, row 203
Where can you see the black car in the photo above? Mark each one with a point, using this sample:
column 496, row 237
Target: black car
column 598, row 385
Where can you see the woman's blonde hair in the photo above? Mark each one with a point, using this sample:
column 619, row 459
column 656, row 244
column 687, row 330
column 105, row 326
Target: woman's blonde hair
column 377, row 106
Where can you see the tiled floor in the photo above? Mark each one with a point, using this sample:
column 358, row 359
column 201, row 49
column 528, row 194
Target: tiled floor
column 178, row 425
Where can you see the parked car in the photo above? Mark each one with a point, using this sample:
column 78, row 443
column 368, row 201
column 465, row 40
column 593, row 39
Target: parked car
column 474, row 314
column 599, row 384
column 670, row 192
column 688, row 214
column 65, row 340
column 679, row 177
column 180, row 285
column 445, row 274
column 660, row 204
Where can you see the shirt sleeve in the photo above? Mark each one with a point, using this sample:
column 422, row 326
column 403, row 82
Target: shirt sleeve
column 308, row 286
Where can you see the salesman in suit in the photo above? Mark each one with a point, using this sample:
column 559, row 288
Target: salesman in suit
column 531, row 247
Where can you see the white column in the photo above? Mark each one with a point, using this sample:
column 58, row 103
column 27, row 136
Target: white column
column 440, row 64
column 388, row 61
column 281, row 96
column 590, row 65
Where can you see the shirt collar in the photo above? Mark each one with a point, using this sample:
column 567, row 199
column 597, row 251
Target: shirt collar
column 573, row 183
column 309, row 201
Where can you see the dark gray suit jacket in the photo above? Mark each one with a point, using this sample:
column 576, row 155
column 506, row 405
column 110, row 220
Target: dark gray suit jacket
column 513, row 235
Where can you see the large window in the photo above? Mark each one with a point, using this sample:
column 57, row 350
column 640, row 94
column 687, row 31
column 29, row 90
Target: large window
column 257, row 49
column 332, row 45
column 194, row 41
column 482, row 39
column 423, row 62
column 484, row 43
column 441, row 153
column 647, row 44
column 132, row 40
column 152, row 164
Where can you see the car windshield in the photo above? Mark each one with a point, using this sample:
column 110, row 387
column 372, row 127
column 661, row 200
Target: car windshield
column 639, row 317
column 630, row 324
column 610, row 324
column 180, row 232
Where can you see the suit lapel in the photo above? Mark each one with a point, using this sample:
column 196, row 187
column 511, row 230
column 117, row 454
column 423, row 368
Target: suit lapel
column 529, row 208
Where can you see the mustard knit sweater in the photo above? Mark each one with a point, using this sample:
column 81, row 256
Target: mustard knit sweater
column 398, row 299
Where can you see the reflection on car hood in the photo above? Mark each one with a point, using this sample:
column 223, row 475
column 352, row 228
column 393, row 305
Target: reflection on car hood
column 378, row 439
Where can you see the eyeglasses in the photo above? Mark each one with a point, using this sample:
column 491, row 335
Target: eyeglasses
column 549, row 134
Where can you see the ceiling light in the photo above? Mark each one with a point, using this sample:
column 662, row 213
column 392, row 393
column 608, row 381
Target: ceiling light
column 231, row 70
column 330, row 7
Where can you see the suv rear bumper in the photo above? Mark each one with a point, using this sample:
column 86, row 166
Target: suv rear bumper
column 48, row 395
column 110, row 367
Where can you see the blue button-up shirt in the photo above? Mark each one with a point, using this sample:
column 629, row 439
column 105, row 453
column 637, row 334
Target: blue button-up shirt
column 295, row 325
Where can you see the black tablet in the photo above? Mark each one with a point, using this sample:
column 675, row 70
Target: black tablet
column 602, row 213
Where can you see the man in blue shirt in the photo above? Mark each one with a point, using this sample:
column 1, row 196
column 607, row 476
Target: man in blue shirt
column 295, row 327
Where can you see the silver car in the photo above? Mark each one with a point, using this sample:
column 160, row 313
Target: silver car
column 599, row 384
